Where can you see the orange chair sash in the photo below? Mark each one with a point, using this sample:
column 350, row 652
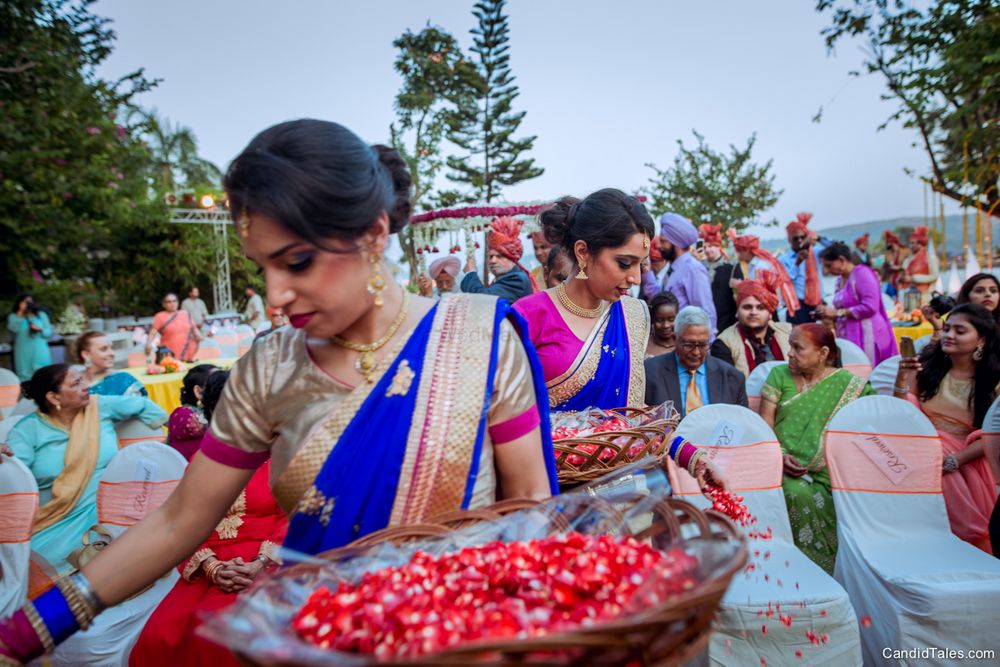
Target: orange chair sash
column 17, row 516
column 753, row 467
column 126, row 503
column 9, row 394
column 883, row 463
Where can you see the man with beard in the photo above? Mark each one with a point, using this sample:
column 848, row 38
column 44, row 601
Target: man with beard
column 801, row 262
column 511, row 280
column 756, row 337
column 686, row 277
column 654, row 274
column 720, row 272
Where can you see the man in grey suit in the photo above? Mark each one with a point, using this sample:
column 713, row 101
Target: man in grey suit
column 669, row 376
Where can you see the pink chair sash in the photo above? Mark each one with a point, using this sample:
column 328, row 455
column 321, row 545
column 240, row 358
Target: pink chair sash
column 753, row 467
column 244, row 348
column 126, row 503
column 17, row 516
column 226, row 339
column 883, row 463
column 9, row 394
column 861, row 370
column 136, row 359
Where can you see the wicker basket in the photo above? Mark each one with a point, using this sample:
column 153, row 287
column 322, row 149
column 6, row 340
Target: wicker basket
column 650, row 439
column 668, row 634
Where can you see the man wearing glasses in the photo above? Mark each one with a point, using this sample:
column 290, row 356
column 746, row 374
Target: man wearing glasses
column 689, row 376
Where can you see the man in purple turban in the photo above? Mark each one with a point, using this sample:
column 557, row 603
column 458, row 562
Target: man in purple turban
column 687, row 278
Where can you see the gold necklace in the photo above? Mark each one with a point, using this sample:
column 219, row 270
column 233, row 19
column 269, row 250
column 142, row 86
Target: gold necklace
column 366, row 361
column 579, row 311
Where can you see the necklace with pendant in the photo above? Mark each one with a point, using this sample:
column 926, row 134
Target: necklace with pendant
column 366, row 361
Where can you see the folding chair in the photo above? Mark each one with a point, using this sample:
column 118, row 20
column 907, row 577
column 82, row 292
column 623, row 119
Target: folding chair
column 920, row 585
column 10, row 391
column 781, row 590
column 136, row 482
column 755, row 382
column 133, row 430
column 18, row 505
column 883, row 377
column 854, row 358
column 209, row 349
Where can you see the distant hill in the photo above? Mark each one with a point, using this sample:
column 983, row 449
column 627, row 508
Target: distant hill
column 847, row 233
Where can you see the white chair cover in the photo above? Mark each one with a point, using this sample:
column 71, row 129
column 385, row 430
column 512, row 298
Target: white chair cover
column 133, row 430
column 10, row 392
column 24, row 407
column 209, row 349
column 755, row 382
column 883, row 378
column 854, row 358
column 245, row 331
column 781, row 580
column 922, row 342
column 229, row 341
column 899, row 561
column 5, row 427
column 18, row 505
column 136, row 482
column 889, row 303
column 991, row 422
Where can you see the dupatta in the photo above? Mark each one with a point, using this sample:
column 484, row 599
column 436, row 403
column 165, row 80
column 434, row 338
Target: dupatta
column 82, row 451
column 608, row 372
column 407, row 446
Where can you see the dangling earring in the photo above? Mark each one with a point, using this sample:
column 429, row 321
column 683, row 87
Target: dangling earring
column 87, row 363
column 58, row 406
column 583, row 274
column 978, row 354
column 376, row 283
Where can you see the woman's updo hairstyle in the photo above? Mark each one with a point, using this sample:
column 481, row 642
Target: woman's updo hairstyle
column 83, row 342
column 45, row 379
column 605, row 219
column 320, row 181
column 196, row 377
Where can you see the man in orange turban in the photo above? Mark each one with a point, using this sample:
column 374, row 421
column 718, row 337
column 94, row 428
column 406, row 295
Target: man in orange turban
column 921, row 268
column 860, row 252
column 754, row 259
column 720, row 273
column 801, row 262
column 892, row 266
column 756, row 337
column 511, row 280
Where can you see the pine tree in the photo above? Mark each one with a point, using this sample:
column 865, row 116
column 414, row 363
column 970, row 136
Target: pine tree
column 483, row 122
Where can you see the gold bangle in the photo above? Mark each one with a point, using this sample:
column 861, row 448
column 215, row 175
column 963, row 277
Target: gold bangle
column 44, row 636
column 82, row 611
column 693, row 463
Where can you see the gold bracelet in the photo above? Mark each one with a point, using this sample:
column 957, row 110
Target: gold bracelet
column 693, row 463
column 81, row 610
column 212, row 569
column 44, row 636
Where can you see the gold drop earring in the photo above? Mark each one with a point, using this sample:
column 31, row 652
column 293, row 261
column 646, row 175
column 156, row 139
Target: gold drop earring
column 582, row 275
column 376, row 283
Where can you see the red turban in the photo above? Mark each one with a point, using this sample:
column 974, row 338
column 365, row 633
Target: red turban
column 861, row 239
column 711, row 234
column 763, row 288
column 921, row 235
column 748, row 243
column 814, row 294
column 891, row 238
column 504, row 237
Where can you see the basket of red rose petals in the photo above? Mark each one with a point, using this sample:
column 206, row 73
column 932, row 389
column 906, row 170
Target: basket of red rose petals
column 592, row 443
column 573, row 580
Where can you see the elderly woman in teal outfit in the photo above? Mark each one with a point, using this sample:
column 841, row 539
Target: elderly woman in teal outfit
column 67, row 444
column 32, row 329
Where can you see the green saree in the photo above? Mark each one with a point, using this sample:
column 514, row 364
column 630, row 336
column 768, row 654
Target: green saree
column 799, row 423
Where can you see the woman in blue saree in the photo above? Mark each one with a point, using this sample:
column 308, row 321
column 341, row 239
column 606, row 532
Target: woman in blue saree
column 376, row 408
column 589, row 334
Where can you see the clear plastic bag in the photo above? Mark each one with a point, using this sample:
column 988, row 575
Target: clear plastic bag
column 259, row 625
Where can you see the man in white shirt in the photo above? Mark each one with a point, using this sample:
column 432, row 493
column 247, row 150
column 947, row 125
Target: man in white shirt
column 253, row 312
column 195, row 307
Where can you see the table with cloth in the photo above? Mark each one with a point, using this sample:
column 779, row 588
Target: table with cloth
column 165, row 389
column 915, row 331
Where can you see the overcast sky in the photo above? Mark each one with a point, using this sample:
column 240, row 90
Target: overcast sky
column 607, row 86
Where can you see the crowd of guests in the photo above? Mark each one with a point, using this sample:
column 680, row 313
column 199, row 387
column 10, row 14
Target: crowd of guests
column 319, row 434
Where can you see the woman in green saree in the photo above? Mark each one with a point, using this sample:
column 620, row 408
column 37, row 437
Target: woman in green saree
column 798, row 400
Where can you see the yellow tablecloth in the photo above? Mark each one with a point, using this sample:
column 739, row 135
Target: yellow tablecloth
column 922, row 329
column 165, row 389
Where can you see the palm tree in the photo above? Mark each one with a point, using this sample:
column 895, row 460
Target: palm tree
column 174, row 150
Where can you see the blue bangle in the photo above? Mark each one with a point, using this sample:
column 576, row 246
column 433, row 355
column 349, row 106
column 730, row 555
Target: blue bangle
column 675, row 447
column 53, row 608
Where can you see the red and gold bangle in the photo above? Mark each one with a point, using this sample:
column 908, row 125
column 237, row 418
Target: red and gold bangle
column 38, row 625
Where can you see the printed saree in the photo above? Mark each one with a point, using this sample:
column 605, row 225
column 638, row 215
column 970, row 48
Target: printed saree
column 608, row 372
column 408, row 446
column 799, row 423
